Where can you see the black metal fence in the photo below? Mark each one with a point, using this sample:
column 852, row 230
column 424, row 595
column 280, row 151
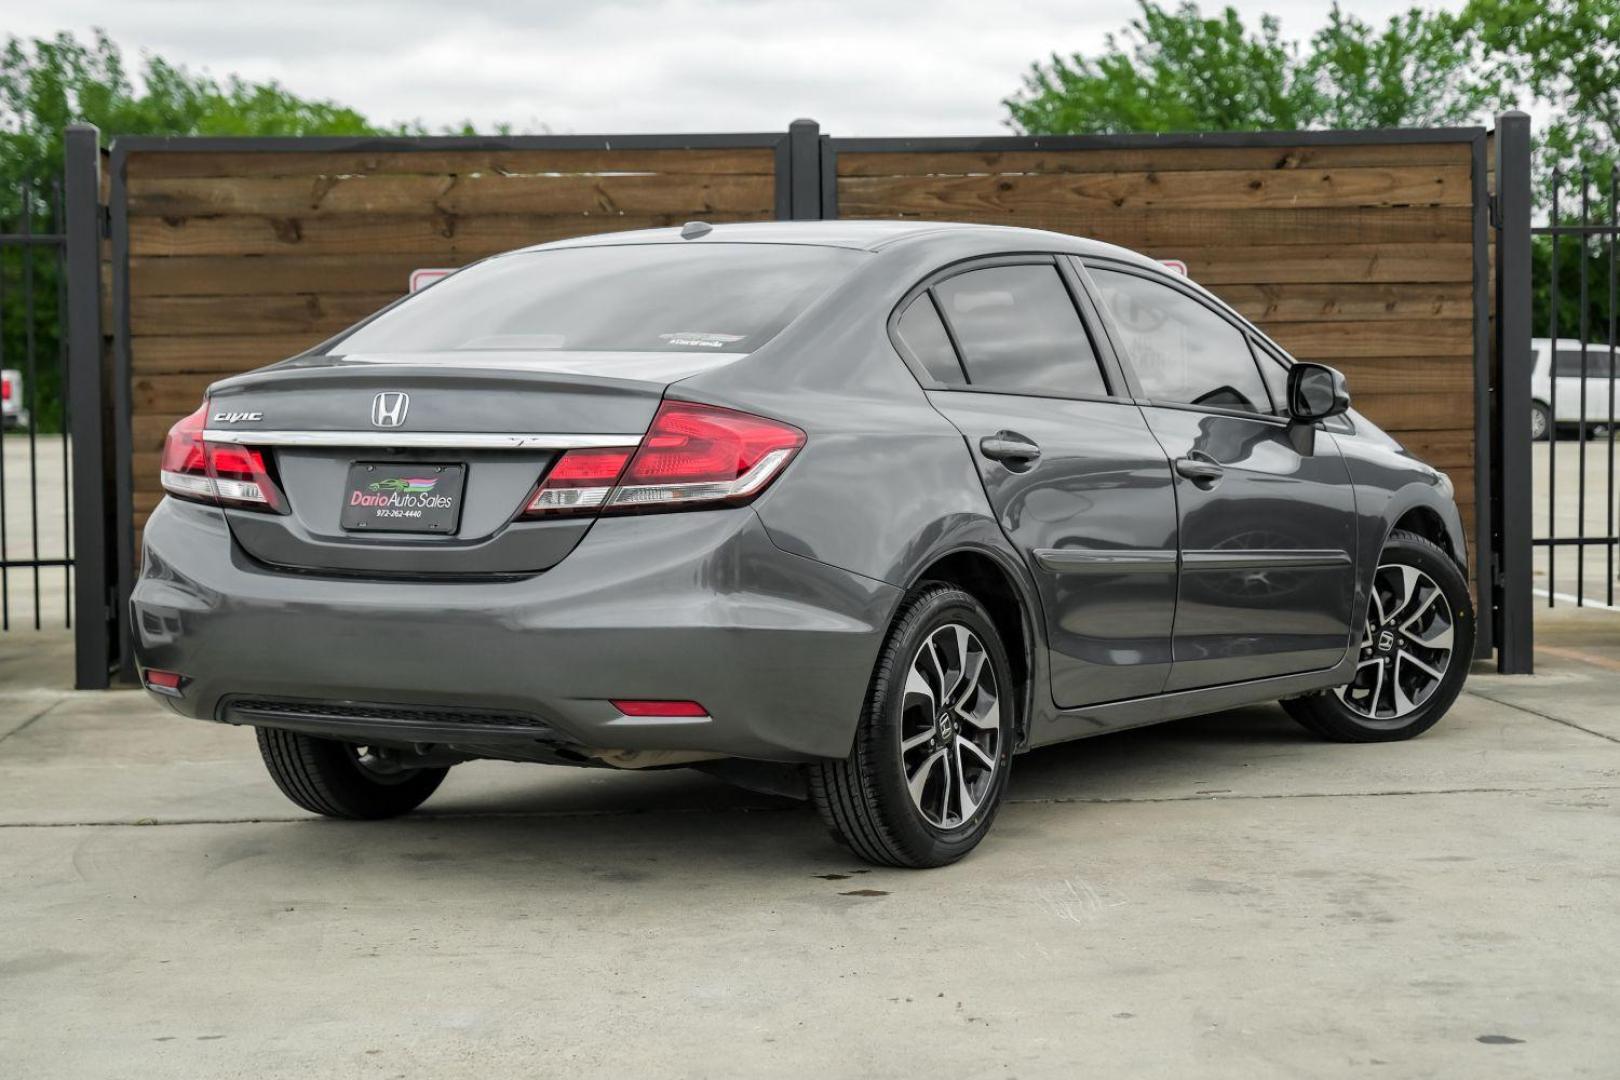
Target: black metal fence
column 1576, row 283
column 36, row 551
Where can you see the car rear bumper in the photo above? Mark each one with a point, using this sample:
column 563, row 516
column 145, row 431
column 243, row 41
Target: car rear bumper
column 701, row 606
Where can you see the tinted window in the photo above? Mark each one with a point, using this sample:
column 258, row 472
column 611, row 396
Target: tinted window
column 1568, row 362
column 685, row 298
column 1019, row 331
column 923, row 334
column 1180, row 349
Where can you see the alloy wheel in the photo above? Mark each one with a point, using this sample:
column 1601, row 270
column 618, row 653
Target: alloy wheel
column 1406, row 646
column 950, row 726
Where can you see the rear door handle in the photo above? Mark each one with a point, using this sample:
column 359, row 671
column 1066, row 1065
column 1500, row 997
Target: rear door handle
column 1011, row 449
column 1201, row 471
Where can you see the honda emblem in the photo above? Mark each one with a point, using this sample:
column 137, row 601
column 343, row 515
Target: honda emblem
column 388, row 408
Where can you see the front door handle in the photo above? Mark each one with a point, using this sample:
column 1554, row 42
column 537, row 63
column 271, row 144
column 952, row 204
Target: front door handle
column 1201, row 471
column 1011, row 449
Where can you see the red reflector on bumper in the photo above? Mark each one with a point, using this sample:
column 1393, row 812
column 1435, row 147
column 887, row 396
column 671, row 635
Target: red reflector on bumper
column 659, row 708
column 167, row 682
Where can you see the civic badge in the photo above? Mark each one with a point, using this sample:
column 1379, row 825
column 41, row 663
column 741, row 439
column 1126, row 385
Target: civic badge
column 388, row 408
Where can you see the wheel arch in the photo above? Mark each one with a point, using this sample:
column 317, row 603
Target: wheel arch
column 1420, row 509
column 1001, row 584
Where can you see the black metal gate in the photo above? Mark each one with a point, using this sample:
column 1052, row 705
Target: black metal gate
column 36, row 548
column 1573, row 392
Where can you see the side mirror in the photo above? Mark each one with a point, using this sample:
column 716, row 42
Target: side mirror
column 1316, row 392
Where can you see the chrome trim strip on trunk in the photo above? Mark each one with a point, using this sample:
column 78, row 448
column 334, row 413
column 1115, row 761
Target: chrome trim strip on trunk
column 1106, row 561
column 432, row 440
column 1255, row 559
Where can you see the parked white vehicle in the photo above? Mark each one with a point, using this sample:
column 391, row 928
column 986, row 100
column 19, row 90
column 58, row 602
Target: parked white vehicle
column 12, row 413
column 1563, row 364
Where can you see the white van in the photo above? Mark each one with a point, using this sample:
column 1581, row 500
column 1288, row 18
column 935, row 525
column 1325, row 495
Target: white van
column 1564, row 365
column 12, row 413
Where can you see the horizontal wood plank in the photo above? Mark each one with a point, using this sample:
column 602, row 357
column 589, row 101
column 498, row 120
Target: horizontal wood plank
column 442, row 236
column 1269, row 263
column 298, row 313
column 1169, row 226
column 1182, row 159
column 1400, row 411
column 1285, row 302
column 256, row 275
column 249, row 163
column 224, row 354
column 1328, row 341
column 1014, row 196
column 298, row 196
column 1444, row 448
column 1415, row 375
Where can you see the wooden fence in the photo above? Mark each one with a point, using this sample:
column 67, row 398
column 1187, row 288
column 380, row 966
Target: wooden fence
column 1365, row 250
column 240, row 257
column 1352, row 250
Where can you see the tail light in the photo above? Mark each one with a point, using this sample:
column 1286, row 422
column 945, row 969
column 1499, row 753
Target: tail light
column 693, row 456
column 5, row 388
column 218, row 473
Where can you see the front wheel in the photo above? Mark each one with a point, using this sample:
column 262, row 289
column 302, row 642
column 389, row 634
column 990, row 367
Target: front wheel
column 931, row 756
column 1413, row 654
column 343, row 780
column 1540, row 422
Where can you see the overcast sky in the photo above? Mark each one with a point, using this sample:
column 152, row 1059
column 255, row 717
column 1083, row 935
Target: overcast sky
column 862, row 67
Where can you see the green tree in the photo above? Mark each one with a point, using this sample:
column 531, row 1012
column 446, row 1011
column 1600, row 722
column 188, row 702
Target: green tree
column 1563, row 54
column 1170, row 71
column 1422, row 70
column 46, row 84
column 1176, row 70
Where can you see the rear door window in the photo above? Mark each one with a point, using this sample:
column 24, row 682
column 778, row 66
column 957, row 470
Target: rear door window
column 923, row 335
column 676, row 298
column 1181, row 350
column 1020, row 333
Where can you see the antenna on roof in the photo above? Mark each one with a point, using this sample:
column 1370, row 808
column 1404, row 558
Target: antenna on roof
column 694, row 229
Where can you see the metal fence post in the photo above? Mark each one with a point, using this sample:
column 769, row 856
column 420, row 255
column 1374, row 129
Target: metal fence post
column 804, row 171
column 1510, row 482
column 86, row 408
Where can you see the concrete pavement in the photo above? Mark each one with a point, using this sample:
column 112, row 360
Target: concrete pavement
column 1219, row 897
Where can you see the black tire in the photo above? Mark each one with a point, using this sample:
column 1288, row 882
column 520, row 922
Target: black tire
column 326, row 777
column 1541, row 423
column 1327, row 715
column 865, row 798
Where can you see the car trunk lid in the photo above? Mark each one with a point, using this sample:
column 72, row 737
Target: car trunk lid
column 420, row 464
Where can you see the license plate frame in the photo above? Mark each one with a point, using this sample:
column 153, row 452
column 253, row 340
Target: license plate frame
column 403, row 497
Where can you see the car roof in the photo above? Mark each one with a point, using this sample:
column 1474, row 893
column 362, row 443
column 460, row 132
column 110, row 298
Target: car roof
column 861, row 235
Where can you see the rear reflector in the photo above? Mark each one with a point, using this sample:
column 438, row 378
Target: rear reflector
column 692, row 456
column 164, row 682
column 659, row 708
column 218, row 473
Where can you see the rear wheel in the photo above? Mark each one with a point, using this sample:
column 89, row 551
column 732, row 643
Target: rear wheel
column 343, row 780
column 1415, row 647
column 922, row 784
column 1540, row 422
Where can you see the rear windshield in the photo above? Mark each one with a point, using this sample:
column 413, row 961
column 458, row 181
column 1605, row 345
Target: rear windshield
column 688, row 298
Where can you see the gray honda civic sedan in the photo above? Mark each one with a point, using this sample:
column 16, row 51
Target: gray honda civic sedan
column 855, row 509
